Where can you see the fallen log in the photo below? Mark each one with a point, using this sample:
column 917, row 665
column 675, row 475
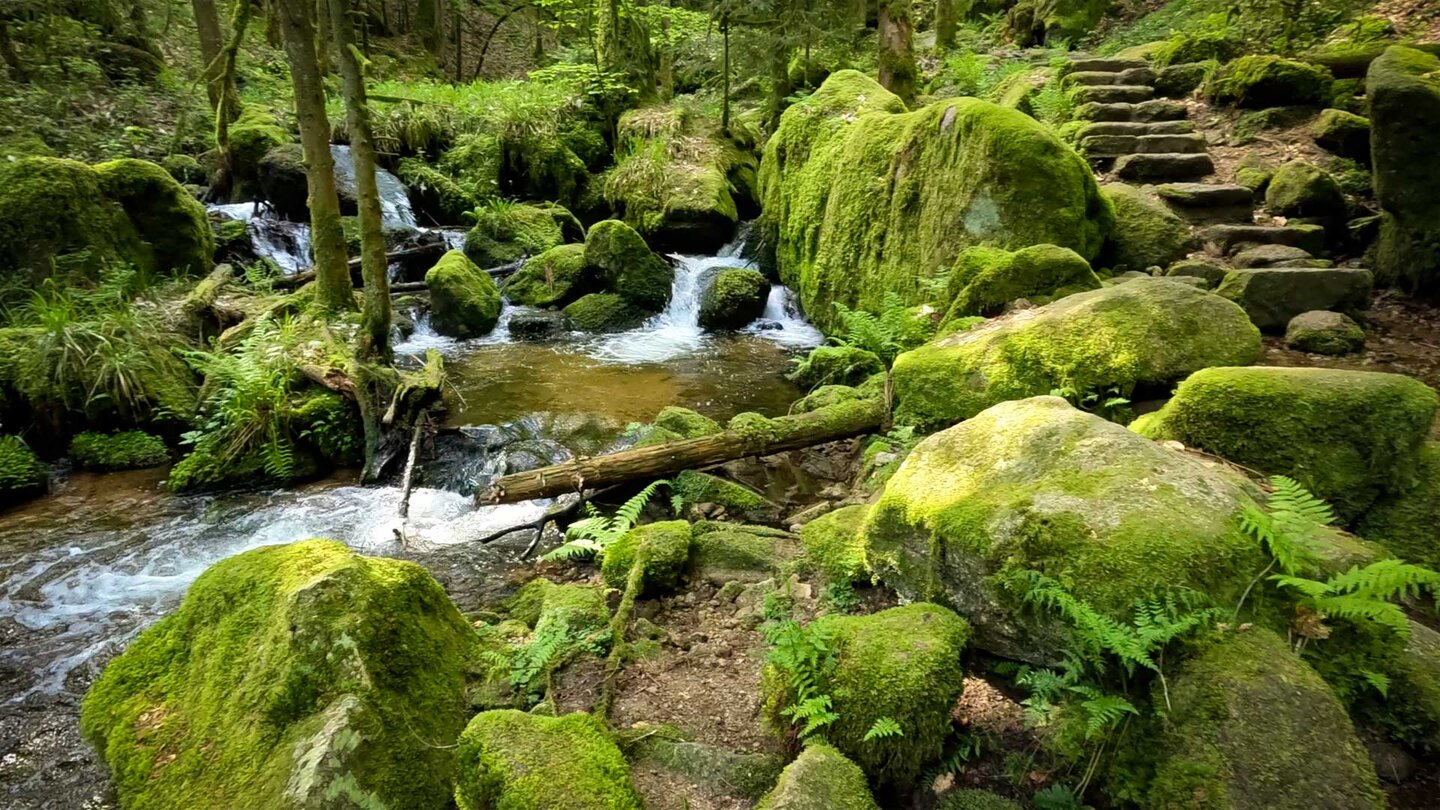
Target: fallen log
column 304, row 277
column 748, row 435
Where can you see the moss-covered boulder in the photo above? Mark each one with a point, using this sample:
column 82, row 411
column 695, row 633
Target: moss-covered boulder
column 252, row 135
column 1251, row 727
column 283, row 182
column 665, row 551
column 507, row 232
column 437, row 196
column 1403, row 86
column 519, row 761
column 734, row 299
column 836, row 365
column 293, row 676
column 1324, row 332
column 167, row 218
column 464, row 301
column 627, row 266
column 552, row 279
column 1040, row 22
column 1407, row 523
column 821, row 778
column 604, row 312
column 726, row 552
column 130, row 450
column 1270, row 81
column 1148, row 331
column 1272, row 296
column 685, row 423
column 1210, row 270
column 902, row 663
column 862, row 198
column 580, row 607
column 1177, row 81
column 1301, row 189
column 738, row 501
column 1344, row 133
column 55, row 209
column 1417, row 693
column 1146, row 234
column 834, row 545
column 985, row 279
column 1348, row 436
column 1037, row 485
column 22, row 476
column 185, row 169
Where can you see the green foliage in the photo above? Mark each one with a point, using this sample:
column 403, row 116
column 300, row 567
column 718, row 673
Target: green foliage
column 129, row 450
column 885, row 335
column 592, row 535
column 1058, row 797
column 806, row 657
column 21, row 473
column 1112, row 402
column 883, row 727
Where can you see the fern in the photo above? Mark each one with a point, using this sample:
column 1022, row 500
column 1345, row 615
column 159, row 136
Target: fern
column 593, row 534
column 806, row 659
column 1378, row 681
column 884, row 334
column 882, row 728
column 815, row 713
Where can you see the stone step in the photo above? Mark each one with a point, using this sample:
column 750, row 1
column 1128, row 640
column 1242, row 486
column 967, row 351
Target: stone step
column 1271, row 296
column 1090, row 78
column 1107, row 64
column 1231, row 239
column 1145, row 112
column 1137, row 128
column 1114, row 93
column 1111, row 146
column 1167, row 166
column 1202, row 202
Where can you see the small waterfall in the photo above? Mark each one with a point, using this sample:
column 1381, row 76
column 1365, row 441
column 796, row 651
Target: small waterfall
column 782, row 321
column 395, row 208
column 287, row 244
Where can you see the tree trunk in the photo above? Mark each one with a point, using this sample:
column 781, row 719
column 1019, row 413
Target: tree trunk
column 427, row 24
column 212, row 46
column 898, row 72
column 457, row 45
column 786, row 433
column 228, row 108
column 725, row 69
column 327, row 239
column 780, row 86
column 944, row 24
column 667, row 62
column 373, row 343
column 322, row 37
column 607, row 37
column 11, row 57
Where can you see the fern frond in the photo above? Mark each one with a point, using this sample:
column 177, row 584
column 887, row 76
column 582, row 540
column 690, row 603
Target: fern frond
column 1386, row 579
column 1104, row 713
column 1378, row 681
column 883, row 727
column 1353, row 607
column 1311, row 588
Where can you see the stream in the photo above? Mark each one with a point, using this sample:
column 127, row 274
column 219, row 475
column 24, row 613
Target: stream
column 85, row 569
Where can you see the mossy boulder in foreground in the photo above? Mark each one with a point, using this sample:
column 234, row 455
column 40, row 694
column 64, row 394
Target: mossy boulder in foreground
column 739, row 501
column 1251, row 727
column 552, row 279
column 1037, row 485
column 834, row 545
column 509, row 232
column 821, row 778
column 293, row 676
column 22, row 476
column 54, row 209
column 902, row 663
column 862, row 198
column 627, row 266
column 604, row 312
column 130, row 450
column 1300, row 189
column 985, row 279
column 836, row 365
column 464, row 301
column 1403, row 86
column 1348, row 436
column 734, row 299
column 167, row 218
column 1147, row 331
column 1324, row 332
column 518, row 761
column 665, row 549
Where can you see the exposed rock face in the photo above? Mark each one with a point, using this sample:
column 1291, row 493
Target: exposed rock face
column 464, row 301
column 1403, row 86
column 1271, row 296
column 512, row 759
column 859, row 195
column 1146, row 331
column 298, row 676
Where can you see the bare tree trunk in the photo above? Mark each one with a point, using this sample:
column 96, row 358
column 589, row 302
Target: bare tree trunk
column 898, row 72
column 457, row 45
column 327, row 239
column 667, row 61
column 212, row 44
column 322, row 37
column 373, row 342
column 8, row 53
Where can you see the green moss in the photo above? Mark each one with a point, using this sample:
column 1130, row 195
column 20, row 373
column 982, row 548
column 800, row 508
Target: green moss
column 686, row 423
column 1417, row 692
column 1405, row 521
column 131, row 450
column 834, row 545
column 1148, row 331
column 969, row 799
column 734, row 299
column 902, row 663
column 1251, row 726
column 1403, row 86
column 167, row 218
column 732, row 772
column 821, row 778
column 985, row 279
column 665, row 548
column 724, row 552
column 464, row 301
column 836, row 365
column 552, row 279
column 1270, row 81
column 1188, row 47
column 183, row 168
column 739, row 501
column 627, row 266
column 1328, row 333
column 581, row 607
column 443, row 198
column 604, row 312
column 1344, row 133
column 54, row 209
column 519, row 761
column 1348, row 436
column 1147, row 233
column 827, row 395
column 1300, row 189
column 509, row 232
column 1176, row 81
column 288, row 674
column 861, row 198
column 22, row 475
column 252, row 135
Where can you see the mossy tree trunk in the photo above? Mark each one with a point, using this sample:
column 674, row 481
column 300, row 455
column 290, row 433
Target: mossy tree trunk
column 945, row 13
column 327, row 239
column 780, row 85
column 212, row 47
column 898, row 72
column 374, row 339
column 322, row 37
column 228, row 106
column 427, row 25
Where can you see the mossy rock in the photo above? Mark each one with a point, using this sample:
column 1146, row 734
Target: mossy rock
column 252, row 135
column 54, row 216
column 1417, row 693
column 437, row 195
column 748, row 775
column 985, row 279
column 464, row 301
column 1270, row 81
column 130, row 450
column 518, row 761
column 1189, row 47
column 1040, row 22
column 167, row 218
column 185, row 169
column 739, row 501
column 970, row 799
column 1208, row 269
column 734, row 299
column 686, row 423
column 1146, row 234
column 1407, row 523
column 22, row 476
column 1403, row 86
column 665, row 547
column 835, row 546
column 836, row 365
column 1149, row 331
column 849, row 170
column 1301, row 189
column 626, row 265
column 827, row 395
column 604, row 312
column 1037, row 485
column 1324, row 332
column 290, row 676
column 552, row 279
column 725, row 552
column 284, row 182
column 1177, row 81
column 1350, row 437
column 581, row 607
column 821, row 778
column 1251, row 727
column 1344, row 133
column 509, row 232
column 902, row 663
